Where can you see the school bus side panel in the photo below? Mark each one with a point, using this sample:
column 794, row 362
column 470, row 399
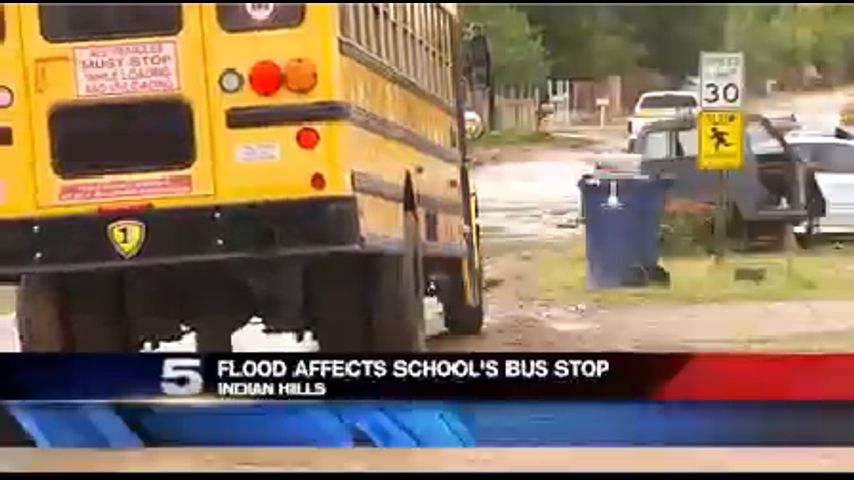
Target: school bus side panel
column 387, row 74
column 17, row 191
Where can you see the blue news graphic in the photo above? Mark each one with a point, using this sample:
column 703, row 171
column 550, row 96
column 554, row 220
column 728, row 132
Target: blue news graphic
column 316, row 424
column 432, row 424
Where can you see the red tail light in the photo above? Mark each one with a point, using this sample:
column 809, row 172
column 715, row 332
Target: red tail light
column 318, row 181
column 265, row 77
column 308, row 138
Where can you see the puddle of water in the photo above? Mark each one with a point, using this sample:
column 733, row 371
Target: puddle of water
column 530, row 199
column 572, row 326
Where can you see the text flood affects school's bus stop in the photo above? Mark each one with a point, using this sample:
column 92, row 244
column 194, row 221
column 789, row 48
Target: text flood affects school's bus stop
column 621, row 215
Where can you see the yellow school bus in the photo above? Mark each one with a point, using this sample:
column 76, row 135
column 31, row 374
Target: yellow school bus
column 165, row 166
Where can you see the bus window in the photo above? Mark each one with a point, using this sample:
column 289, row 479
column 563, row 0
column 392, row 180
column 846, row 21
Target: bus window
column 68, row 22
column 248, row 17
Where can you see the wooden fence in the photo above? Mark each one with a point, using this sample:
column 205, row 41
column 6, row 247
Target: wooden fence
column 516, row 108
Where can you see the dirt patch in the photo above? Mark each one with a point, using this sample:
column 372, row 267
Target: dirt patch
column 540, row 303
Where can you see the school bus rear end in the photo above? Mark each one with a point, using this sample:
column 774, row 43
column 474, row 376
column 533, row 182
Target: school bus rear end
column 200, row 164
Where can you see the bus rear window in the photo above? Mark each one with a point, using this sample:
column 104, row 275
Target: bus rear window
column 68, row 22
column 248, row 17
column 138, row 136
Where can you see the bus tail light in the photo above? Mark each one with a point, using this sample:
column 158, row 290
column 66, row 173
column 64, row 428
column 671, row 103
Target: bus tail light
column 318, row 181
column 307, row 138
column 300, row 75
column 7, row 98
column 265, row 78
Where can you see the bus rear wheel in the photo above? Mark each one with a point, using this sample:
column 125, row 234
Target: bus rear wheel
column 370, row 303
column 461, row 318
column 71, row 313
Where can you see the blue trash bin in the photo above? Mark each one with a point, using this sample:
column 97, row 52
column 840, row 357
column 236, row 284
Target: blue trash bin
column 622, row 214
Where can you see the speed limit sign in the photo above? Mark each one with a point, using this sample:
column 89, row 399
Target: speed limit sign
column 721, row 80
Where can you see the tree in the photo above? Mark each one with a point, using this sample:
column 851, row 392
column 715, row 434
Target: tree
column 516, row 49
column 585, row 40
column 832, row 49
column 674, row 35
column 592, row 41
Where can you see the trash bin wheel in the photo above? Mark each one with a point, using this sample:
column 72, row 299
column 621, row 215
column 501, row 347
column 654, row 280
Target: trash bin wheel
column 637, row 276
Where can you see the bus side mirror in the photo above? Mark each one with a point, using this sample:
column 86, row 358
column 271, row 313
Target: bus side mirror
column 479, row 62
column 474, row 125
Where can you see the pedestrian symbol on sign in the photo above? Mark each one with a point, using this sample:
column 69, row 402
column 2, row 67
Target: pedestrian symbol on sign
column 719, row 137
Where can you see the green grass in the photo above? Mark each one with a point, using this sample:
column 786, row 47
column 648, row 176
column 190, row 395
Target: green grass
column 511, row 137
column 815, row 275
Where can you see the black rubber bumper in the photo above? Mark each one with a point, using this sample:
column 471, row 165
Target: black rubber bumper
column 181, row 234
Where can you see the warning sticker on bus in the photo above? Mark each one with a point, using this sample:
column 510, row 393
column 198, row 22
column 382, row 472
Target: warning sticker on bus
column 166, row 185
column 126, row 69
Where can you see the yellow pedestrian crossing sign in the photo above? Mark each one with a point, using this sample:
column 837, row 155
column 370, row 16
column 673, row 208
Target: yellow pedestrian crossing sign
column 721, row 140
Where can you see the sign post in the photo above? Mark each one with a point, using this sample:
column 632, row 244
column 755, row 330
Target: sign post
column 720, row 127
column 602, row 103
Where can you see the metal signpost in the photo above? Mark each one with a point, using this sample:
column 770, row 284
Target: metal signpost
column 720, row 126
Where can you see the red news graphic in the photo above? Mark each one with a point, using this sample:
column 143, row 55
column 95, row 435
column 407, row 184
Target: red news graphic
column 761, row 377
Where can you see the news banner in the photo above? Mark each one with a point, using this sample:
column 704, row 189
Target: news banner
column 293, row 376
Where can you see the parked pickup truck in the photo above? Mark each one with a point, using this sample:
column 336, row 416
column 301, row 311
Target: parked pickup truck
column 659, row 105
column 773, row 190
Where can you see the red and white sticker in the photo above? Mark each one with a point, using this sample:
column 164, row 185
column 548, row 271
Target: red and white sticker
column 166, row 185
column 127, row 69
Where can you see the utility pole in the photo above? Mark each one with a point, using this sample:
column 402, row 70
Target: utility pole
column 729, row 28
column 721, row 210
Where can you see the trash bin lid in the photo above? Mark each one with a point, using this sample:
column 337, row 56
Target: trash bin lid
column 597, row 178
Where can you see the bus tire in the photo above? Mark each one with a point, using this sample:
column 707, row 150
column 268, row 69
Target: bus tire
column 369, row 303
column 72, row 313
column 337, row 289
column 461, row 318
column 397, row 299
column 213, row 339
column 38, row 314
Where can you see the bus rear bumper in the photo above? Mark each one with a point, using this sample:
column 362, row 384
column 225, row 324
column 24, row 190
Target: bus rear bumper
column 179, row 235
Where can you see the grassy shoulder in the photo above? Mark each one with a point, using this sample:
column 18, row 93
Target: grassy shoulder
column 519, row 138
column 816, row 275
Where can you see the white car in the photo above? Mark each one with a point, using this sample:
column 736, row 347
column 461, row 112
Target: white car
column 660, row 105
column 831, row 158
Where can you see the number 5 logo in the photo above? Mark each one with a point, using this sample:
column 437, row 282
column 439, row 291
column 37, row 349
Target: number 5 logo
column 182, row 376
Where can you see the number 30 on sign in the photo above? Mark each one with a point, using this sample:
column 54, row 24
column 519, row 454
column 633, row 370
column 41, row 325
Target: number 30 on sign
column 721, row 80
